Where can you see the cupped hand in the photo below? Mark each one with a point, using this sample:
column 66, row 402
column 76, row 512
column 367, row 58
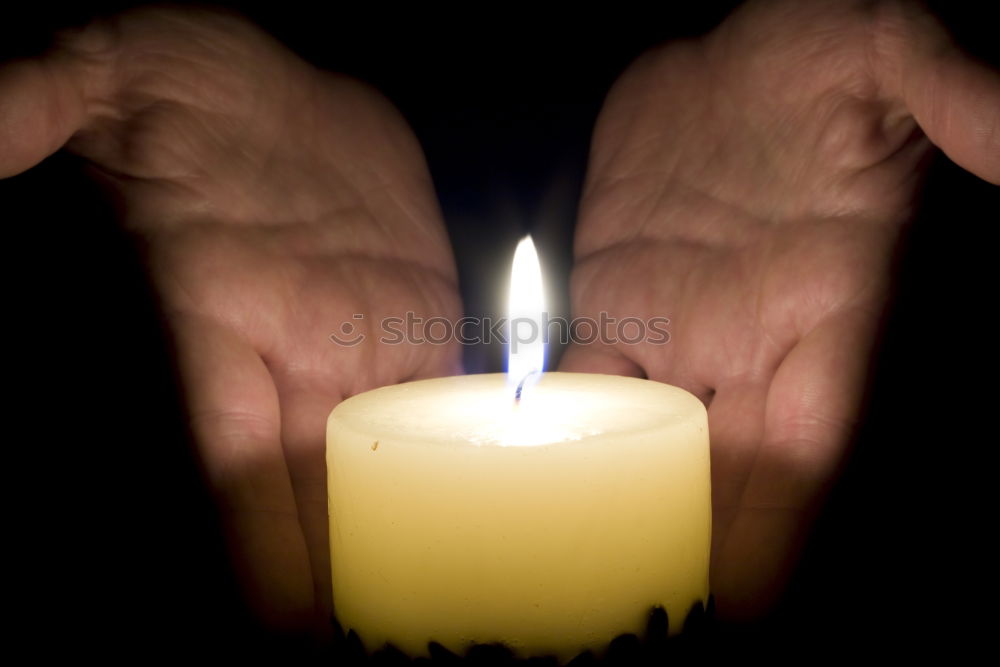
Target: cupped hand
column 277, row 203
column 751, row 186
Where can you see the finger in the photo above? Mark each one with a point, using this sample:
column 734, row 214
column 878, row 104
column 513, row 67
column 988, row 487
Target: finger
column 45, row 101
column 235, row 420
column 736, row 426
column 306, row 401
column 597, row 358
column 954, row 98
column 304, row 411
column 810, row 414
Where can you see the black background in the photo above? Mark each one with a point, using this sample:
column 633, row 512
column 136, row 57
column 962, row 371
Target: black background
column 111, row 545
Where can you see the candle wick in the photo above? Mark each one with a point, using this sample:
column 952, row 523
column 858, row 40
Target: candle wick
column 520, row 387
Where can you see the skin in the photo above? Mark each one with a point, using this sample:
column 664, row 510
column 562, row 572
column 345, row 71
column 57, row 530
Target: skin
column 750, row 188
column 275, row 201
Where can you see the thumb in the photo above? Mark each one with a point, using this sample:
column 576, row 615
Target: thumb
column 954, row 98
column 44, row 101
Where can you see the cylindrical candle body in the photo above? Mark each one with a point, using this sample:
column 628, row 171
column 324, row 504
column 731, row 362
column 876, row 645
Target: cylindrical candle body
column 552, row 526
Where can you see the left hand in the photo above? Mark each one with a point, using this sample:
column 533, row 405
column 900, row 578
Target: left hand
column 276, row 203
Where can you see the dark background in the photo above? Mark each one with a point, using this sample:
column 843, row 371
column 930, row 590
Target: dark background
column 111, row 544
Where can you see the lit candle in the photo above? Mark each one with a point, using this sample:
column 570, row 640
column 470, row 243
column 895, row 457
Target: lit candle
column 552, row 523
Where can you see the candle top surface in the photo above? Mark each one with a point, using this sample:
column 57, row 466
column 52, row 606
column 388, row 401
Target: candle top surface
column 481, row 410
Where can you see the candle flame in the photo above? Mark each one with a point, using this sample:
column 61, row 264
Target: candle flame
column 526, row 351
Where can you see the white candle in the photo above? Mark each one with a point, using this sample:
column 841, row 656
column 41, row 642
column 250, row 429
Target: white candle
column 551, row 527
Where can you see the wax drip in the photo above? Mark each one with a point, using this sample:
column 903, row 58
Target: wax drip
column 654, row 647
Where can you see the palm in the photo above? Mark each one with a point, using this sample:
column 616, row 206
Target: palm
column 276, row 203
column 751, row 190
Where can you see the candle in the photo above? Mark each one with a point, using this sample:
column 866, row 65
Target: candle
column 548, row 512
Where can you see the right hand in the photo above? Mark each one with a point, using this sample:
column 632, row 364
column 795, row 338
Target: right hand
column 751, row 186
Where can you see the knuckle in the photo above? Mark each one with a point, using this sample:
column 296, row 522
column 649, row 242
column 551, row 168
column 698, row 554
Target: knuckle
column 232, row 425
